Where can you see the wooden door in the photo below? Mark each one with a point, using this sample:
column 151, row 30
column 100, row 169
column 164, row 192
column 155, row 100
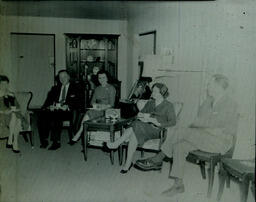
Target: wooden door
column 33, row 64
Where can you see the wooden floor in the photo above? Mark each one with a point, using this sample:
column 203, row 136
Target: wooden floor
column 39, row 175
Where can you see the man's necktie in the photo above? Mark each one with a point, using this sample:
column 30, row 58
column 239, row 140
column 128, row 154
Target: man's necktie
column 63, row 95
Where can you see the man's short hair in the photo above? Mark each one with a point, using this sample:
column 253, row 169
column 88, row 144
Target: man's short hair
column 4, row 78
column 221, row 80
column 63, row 70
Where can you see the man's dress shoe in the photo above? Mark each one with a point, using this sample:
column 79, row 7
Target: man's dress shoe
column 54, row 146
column 44, row 145
column 8, row 146
column 147, row 165
column 174, row 190
column 72, row 142
column 16, row 151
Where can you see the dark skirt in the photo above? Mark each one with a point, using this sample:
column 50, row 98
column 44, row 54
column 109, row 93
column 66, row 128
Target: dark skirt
column 145, row 131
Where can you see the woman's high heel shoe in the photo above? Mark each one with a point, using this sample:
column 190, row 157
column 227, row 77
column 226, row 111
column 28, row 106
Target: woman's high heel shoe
column 8, row 146
column 125, row 171
column 16, row 151
column 105, row 147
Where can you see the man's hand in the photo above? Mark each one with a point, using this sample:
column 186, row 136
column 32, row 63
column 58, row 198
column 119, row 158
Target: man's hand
column 52, row 107
column 64, row 107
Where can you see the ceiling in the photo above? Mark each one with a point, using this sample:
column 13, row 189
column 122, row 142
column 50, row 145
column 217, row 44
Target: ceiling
column 66, row 9
column 90, row 9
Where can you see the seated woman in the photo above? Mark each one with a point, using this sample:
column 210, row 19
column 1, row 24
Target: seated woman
column 156, row 112
column 104, row 97
column 11, row 119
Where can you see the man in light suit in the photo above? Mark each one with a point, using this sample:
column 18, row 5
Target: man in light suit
column 60, row 104
column 212, row 131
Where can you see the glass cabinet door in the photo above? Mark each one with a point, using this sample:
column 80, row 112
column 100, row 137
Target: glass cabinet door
column 84, row 51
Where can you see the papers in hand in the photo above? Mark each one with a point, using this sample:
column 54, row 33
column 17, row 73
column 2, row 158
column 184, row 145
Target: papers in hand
column 99, row 107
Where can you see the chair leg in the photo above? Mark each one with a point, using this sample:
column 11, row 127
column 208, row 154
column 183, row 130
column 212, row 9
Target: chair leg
column 170, row 170
column 202, row 168
column 244, row 186
column 211, row 178
column 120, row 154
column 222, row 178
column 70, row 133
column 24, row 135
column 124, row 149
column 31, row 138
column 253, row 189
column 228, row 181
column 84, row 140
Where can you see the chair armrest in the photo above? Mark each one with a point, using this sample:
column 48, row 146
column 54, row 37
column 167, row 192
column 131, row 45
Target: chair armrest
column 162, row 135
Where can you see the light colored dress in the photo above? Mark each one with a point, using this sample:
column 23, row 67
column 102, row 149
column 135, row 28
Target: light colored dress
column 5, row 104
column 102, row 95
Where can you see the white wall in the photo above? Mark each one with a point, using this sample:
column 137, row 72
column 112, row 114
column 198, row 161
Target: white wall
column 215, row 37
column 59, row 26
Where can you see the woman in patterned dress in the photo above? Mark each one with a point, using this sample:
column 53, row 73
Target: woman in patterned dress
column 156, row 112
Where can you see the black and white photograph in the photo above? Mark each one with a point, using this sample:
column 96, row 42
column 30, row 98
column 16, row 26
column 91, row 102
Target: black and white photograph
column 127, row 101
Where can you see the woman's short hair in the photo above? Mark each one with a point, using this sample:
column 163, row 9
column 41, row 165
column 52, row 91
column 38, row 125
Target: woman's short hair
column 221, row 80
column 4, row 78
column 103, row 72
column 162, row 88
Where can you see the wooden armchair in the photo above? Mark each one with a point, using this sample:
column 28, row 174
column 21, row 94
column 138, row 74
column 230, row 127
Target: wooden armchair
column 154, row 145
column 202, row 158
column 241, row 172
column 24, row 99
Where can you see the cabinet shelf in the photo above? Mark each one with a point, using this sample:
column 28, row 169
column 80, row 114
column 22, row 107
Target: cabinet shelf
column 92, row 49
column 85, row 61
column 95, row 49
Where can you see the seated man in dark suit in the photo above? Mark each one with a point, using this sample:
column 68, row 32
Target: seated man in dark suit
column 60, row 104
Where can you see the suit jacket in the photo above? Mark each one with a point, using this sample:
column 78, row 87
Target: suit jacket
column 223, row 115
column 74, row 98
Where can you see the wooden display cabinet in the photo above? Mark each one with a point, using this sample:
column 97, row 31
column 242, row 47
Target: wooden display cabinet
column 84, row 51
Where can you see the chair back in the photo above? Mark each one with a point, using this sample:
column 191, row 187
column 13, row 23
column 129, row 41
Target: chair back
column 117, row 85
column 178, row 106
column 24, row 99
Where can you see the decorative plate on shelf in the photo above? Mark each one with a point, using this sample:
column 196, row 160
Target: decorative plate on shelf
column 89, row 58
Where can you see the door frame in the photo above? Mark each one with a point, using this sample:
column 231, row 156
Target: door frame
column 54, row 47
